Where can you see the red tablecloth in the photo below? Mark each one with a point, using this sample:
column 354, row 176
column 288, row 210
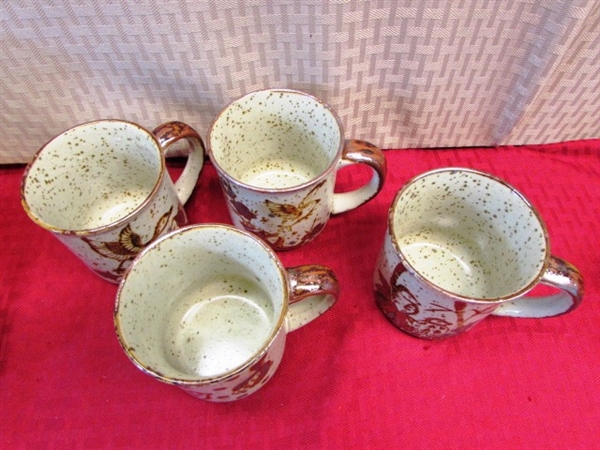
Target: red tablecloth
column 349, row 379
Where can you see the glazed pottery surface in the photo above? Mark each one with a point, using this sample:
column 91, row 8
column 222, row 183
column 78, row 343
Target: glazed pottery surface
column 461, row 245
column 102, row 188
column 208, row 308
column 277, row 153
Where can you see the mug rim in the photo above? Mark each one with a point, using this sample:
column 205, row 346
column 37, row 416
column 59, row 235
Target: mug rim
column 271, row 190
column 203, row 380
column 102, row 228
column 464, row 298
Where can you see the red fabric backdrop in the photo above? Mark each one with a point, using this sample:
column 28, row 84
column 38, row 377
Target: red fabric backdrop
column 347, row 380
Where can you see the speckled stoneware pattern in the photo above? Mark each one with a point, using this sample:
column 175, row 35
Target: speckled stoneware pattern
column 103, row 190
column 277, row 153
column 207, row 308
column 461, row 245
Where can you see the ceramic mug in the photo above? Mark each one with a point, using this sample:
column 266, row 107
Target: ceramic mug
column 102, row 188
column 207, row 308
column 461, row 245
column 277, row 152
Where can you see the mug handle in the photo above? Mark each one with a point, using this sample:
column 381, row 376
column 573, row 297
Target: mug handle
column 314, row 289
column 171, row 132
column 360, row 152
column 559, row 274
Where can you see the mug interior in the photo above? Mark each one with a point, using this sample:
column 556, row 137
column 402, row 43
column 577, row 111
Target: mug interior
column 469, row 234
column 200, row 303
column 92, row 176
column 275, row 139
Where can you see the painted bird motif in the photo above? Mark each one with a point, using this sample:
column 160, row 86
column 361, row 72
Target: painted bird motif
column 128, row 245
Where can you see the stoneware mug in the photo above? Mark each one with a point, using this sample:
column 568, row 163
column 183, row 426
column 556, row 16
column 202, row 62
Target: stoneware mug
column 207, row 308
column 102, row 188
column 461, row 245
column 277, row 152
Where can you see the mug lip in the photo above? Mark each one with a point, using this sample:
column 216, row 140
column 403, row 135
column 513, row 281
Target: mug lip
column 290, row 189
column 463, row 298
column 102, row 228
column 202, row 380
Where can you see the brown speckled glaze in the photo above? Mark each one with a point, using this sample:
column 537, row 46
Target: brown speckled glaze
column 207, row 308
column 462, row 245
column 277, row 153
column 103, row 190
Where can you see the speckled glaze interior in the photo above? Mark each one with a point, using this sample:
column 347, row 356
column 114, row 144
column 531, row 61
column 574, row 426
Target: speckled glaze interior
column 200, row 303
column 276, row 139
column 91, row 176
column 469, row 234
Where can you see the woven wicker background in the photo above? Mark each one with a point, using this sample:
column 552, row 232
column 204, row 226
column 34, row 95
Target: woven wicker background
column 399, row 73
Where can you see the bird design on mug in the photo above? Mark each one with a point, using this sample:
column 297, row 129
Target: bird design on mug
column 282, row 223
column 290, row 214
column 130, row 243
column 428, row 320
